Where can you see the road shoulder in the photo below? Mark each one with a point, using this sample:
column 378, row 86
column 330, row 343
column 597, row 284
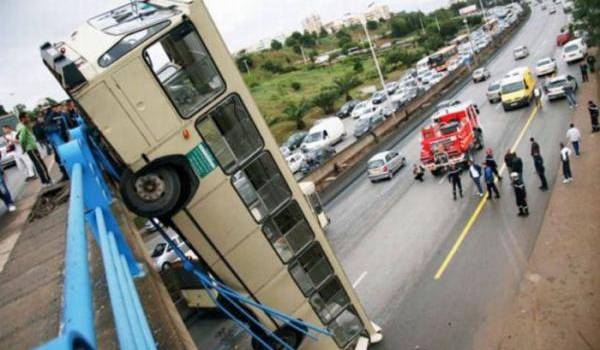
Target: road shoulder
column 558, row 301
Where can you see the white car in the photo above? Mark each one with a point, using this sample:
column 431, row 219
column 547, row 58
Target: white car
column 362, row 108
column 383, row 165
column 295, row 161
column 574, row 50
column 454, row 65
column 164, row 257
column 391, row 87
column 520, row 52
column 481, row 74
column 437, row 77
column 545, row 66
column 493, row 92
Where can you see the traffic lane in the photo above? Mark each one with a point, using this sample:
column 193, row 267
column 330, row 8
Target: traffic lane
column 353, row 217
column 15, row 180
column 464, row 308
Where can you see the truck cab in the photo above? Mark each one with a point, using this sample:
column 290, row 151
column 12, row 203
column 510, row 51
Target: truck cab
column 451, row 137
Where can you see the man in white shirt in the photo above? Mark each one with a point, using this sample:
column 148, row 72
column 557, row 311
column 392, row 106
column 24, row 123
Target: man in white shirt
column 565, row 153
column 574, row 136
column 23, row 161
column 476, row 173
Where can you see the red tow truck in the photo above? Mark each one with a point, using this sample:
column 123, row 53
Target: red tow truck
column 452, row 136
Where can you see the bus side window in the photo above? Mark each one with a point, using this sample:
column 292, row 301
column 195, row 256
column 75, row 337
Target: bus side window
column 185, row 70
column 261, row 186
column 230, row 133
column 288, row 231
column 311, row 269
column 346, row 327
column 330, row 300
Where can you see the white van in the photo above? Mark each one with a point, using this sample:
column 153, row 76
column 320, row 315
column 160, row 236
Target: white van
column 326, row 132
column 574, row 50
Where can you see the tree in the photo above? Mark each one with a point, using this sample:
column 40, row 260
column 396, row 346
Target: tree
column 345, row 84
column 432, row 42
column 2, row 110
column 21, row 108
column 296, row 112
column 343, row 38
column 326, row 99
column 244, row 62
column 358, row 66
column 308, row 40
column 276, row 45
column 372, row 25
column 291, row 42
column 323, row 33
column 400, row 27
column 448, row 29
column 588, row 12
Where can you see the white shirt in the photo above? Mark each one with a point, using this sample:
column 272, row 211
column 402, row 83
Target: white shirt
column 12, row 138
column 573, row 134
column 565, row 153
column 474, row 172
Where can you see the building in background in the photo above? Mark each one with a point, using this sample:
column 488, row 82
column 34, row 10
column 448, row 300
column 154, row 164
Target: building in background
column 265, row 43
column 377, row 12
column 333, row 26
column 454, row 2
column 312, row 23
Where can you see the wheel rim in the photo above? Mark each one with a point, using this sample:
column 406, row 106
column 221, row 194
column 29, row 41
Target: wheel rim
column 149, row 187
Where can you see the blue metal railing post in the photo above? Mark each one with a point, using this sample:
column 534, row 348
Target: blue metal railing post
column 78, row 315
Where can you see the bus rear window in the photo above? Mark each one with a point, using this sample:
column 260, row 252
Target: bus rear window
column 183, row 67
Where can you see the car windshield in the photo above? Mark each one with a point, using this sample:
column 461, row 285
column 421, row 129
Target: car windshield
column 131, row 17
column 557, row 83
column 512, row 87
column 375, row 163
column 159, row 250
column 571, row 48
column 519, row 49
column 544, row 62
column 478, row 71
column 494, row 87
column 362, row 123
column 315, row 136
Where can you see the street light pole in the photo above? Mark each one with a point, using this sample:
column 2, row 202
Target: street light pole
column 483, row 11
column 470, row 40
column 363, row 21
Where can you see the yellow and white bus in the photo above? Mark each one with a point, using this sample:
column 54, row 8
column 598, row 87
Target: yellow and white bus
column 157, row 81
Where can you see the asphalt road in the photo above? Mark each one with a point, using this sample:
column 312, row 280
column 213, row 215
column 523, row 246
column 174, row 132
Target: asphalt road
column 393, row 236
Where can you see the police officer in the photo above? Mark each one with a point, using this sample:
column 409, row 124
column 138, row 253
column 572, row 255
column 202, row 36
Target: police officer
column 520, row 194
column 517, row 165
column 454, row 178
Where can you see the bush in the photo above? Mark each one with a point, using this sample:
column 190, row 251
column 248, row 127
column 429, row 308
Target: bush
column 326, row 99
column 358, row 67
column 372, row 25
column 276, row 45
column 296, row 86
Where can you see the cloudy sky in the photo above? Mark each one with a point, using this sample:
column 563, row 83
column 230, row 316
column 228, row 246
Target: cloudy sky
column 26, row 24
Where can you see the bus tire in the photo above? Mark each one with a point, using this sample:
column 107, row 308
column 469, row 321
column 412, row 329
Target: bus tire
column 154, row 192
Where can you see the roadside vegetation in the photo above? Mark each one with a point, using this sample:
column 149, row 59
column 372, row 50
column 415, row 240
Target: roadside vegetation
column 288, row 74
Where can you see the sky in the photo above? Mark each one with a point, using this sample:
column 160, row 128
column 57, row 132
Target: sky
column 26, row 24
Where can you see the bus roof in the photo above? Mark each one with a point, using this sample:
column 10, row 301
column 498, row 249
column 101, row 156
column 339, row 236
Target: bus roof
column 446, row 49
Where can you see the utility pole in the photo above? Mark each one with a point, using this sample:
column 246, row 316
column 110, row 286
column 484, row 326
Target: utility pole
column 483, row 11
column 381, row 80
column 246, row 65
column 438, row 24
column 302, row 52
column 422, row 26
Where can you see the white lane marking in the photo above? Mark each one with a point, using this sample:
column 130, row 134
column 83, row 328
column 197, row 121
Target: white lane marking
column 6, row 247
column 360, row 278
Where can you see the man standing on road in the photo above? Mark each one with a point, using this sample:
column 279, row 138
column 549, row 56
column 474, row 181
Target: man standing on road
column 535, row 147
column 584, row 71
column 538, row 162
column 491, row 163
column 418, row 172
column 565, row 153
column 454, row 178
column 570, row 95
column 593, row 109
column 5, row 193
column 517, row 165
column 27, row 141
column 476, row 174
column 520, row 194
column 488, row 174
column 23, row 162
column 574, row 136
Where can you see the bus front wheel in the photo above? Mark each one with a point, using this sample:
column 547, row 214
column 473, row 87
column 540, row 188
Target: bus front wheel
column 152, row 193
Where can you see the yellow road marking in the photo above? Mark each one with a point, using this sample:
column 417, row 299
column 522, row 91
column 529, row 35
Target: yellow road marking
column 465, row 232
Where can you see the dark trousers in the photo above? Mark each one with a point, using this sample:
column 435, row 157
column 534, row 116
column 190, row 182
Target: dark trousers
column 419, row 176
column 491, row 187
column 4, row 193
column 542, row 177
column 63, row 171
column 584, row 76
column 566, row 166
column 576, row 147
column 40, row 166
column 456, row 184
column 495, row 171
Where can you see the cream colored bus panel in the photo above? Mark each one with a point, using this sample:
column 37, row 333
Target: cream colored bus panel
column 150, row 104
column 114, row 122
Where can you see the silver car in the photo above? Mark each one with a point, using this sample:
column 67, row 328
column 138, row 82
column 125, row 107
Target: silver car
column 383, row 165
column 555, row 87
column 481, row 74
column 520, row 52
column 545, row 66
column 493, row 92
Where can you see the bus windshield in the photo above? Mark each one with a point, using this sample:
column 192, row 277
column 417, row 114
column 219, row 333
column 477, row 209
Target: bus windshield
column 131, row 17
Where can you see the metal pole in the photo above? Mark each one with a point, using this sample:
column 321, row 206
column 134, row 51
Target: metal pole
column 483, row 11
column 364, row 24
column 438, row 24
